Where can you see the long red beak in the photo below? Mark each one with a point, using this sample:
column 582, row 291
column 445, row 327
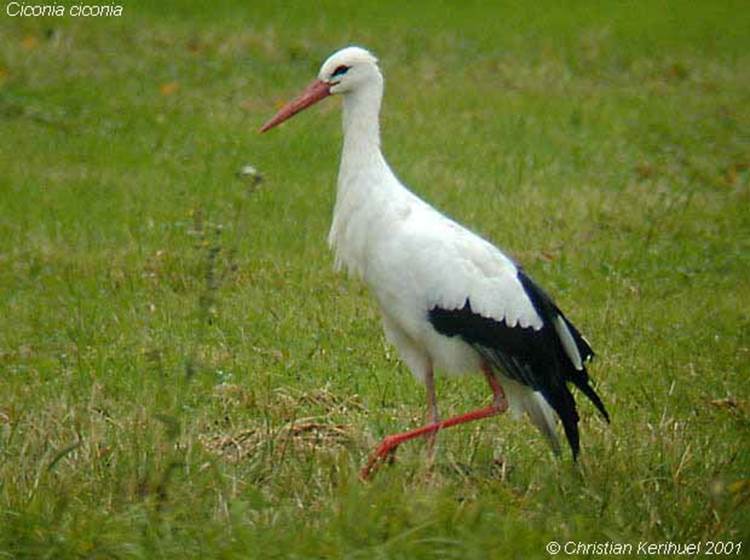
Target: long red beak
column 312, row 94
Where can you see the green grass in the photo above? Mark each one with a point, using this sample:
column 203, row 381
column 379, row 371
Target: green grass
column 183, row 375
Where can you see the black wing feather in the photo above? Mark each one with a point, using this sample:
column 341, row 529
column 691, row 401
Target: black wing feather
column 535, row 358
column 548, row 311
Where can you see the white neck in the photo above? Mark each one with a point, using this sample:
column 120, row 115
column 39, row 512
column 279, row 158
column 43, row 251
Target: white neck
column 365, row 179
column 361, row 122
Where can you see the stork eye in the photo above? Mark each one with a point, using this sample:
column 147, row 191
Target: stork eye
column 340, row 71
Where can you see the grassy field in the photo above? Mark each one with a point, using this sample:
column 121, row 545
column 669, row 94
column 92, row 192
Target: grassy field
column 182, row 374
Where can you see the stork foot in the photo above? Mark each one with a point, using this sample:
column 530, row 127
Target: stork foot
column 385, row 452
column 389, row 444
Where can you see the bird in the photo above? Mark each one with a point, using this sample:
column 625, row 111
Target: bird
column 450, row 300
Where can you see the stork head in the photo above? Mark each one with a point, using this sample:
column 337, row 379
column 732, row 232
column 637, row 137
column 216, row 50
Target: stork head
column 344, row 72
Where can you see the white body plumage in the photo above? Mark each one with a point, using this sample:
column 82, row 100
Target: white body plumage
column 413, row 258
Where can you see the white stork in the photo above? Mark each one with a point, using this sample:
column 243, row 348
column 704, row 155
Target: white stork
column 449, row 300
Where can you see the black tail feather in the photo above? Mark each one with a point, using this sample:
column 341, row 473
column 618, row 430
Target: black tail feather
column 584, row 348
column 564, row 404
column 588, row 390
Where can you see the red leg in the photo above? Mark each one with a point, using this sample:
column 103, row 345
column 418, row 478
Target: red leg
column 390, row 443
column 432, row 410
column 498, row 395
